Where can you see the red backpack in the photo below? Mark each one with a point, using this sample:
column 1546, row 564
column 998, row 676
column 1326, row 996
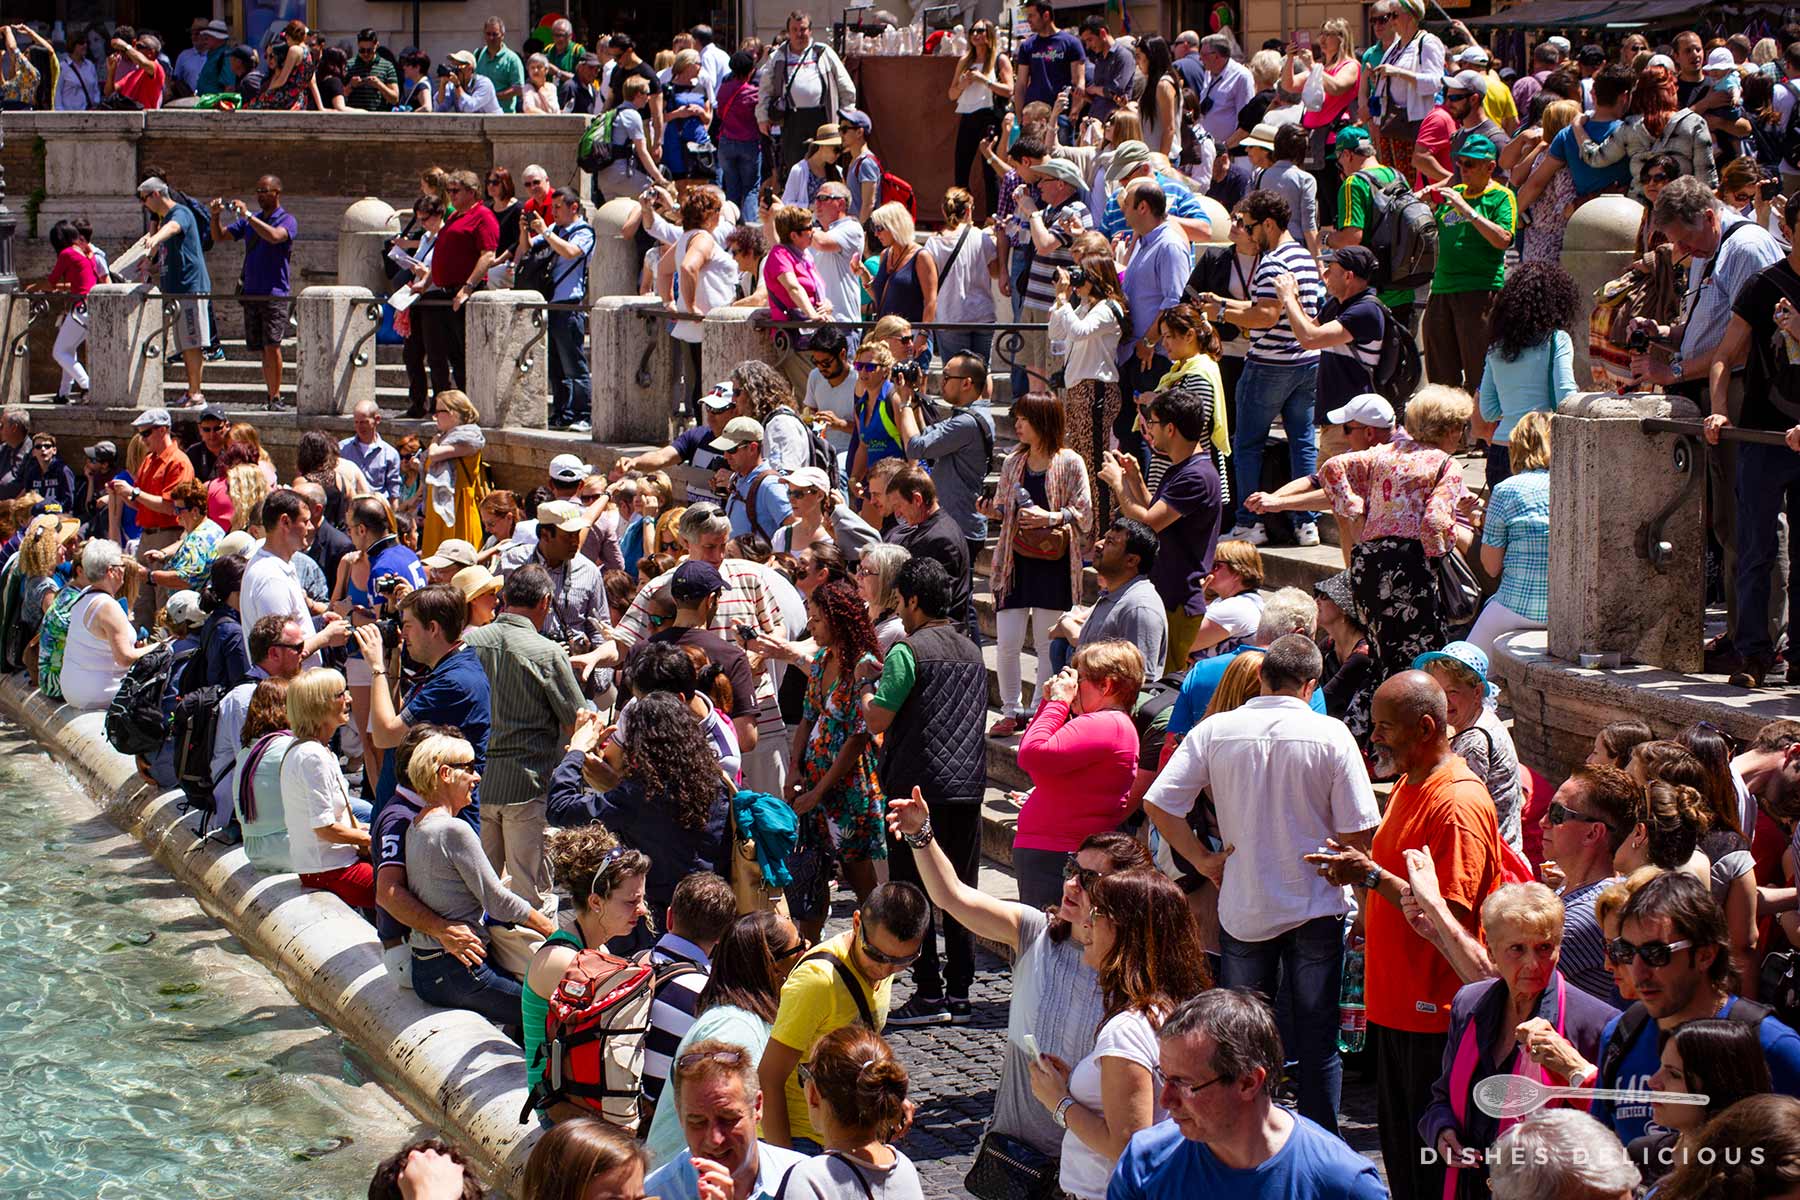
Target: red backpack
column 593, row 1049
column 894, row 190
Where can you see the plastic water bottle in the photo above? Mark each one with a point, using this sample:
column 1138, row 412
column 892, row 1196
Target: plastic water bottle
column 1353, row 1019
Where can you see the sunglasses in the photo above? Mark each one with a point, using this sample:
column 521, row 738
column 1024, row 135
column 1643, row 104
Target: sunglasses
column 892, row 960
column 868, row 368
column 1657, row 178
column 1382, row 20
column 1561, row 814
column 729, row 1058
column 1620, row 952
column 1072, row 869
column 296, row 647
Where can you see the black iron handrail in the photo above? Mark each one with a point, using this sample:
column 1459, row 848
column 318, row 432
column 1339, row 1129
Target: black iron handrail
column 1689, row 458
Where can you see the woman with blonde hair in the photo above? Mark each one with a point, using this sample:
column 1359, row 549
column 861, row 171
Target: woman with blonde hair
column 878, row 425
column 687, row 112
column 1341, row 75
column 906, row 284
column 448, row 873
column 1549, row 213
column 327, row 845
column 1233, row 601
column 963, row 254
column 244, row 434
column 981, row 85
column 1408, row 494
column 455, row 477
column 247, row 486
column 1046, row 514
column 1515, row 538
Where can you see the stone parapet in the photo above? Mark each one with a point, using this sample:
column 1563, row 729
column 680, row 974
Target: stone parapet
column 125, row 346
column 506, row 335
column 632, row 360
column 730, row 336
column 336, row 361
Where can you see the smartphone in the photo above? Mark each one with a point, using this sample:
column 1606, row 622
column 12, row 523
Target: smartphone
column 1031, row 1047
column 745, row 632
column 1303, row 40
column 1770, row 189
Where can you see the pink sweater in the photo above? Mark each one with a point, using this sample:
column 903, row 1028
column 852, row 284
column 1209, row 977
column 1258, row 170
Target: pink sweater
column 1081, row 771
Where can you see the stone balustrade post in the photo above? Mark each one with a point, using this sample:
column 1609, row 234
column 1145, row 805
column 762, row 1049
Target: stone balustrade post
column 507, row 340
column 615, row 264
column 336, row 367
column 730, row 336
column 125, row 346
column 1598, row 245
column 633, row 362
column 15, row 369
column 1611, row 590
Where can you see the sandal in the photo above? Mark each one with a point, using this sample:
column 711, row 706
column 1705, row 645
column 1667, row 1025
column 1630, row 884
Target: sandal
column 1005, row 727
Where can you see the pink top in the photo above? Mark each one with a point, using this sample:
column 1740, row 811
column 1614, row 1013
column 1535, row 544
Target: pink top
column 1081, row 772
column 786, row 258
column 1334, row 106
column 737, row 110
column 1401, row 489
column 218, row 503
column 75, row 269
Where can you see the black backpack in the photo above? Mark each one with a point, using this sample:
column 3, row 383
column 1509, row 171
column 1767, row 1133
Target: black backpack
column 202, row 217
column 194, row 727
column 542, row 269
column 1399, row 371
column 1631, row 1023
column 818, row 451
column 134, row 720
column 1403, row 234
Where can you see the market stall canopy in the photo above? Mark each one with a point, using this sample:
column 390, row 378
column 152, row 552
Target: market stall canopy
column 1546, row 14
column 1645, row 12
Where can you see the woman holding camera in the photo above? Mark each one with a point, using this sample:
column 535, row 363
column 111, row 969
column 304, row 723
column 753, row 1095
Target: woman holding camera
column 1045, row 512
column 1086, row 339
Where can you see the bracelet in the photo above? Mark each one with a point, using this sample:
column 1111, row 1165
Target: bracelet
column 1061, row 1115
column 921, row 839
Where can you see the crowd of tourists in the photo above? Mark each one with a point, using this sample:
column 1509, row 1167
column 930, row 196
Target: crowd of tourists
column 638, row 725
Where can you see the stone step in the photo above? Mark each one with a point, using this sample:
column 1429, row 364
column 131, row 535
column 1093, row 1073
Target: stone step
column 252, row 394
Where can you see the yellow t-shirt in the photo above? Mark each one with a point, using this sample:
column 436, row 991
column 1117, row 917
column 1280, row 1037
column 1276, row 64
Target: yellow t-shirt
column 814, row 1001
column 1499, row 104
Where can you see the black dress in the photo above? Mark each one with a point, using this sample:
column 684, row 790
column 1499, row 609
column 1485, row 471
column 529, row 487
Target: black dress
column 1039, row 582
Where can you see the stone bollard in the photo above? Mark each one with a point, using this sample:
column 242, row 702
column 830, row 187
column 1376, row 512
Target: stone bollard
column 1608, row 482
column 633, row 362
column 1219, row 218
column 508, row 355
column 615, row 264
column 1598, row 245
column 336, row 367
column 363, row 228
column 15, row 369
column 125, row 346
column 730, row 336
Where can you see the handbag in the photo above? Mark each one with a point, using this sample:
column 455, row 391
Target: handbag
column 1006, row 1168
column 1459, row 594
column 1050, row 543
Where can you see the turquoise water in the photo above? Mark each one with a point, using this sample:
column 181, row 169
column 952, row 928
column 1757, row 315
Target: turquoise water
column 143, row 1053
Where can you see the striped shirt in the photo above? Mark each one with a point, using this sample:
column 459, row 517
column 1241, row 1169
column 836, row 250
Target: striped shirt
column 1583, row 960
column 1040, row 285
column 672, row 1010
column 534, row 696
column 745, row 601
column 1277, row 344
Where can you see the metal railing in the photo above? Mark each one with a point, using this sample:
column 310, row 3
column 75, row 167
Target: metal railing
column 1690, row 458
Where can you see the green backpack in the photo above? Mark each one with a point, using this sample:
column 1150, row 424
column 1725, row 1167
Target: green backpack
column 597, row 151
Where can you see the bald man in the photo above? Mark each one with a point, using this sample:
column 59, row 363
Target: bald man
column 1440, row 807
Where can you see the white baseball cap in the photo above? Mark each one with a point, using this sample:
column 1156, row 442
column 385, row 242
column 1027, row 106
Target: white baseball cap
column 568, row 468
column 1366, row 409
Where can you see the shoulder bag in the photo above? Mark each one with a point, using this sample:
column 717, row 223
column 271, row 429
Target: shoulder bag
column 1459, row 595
column 1006, row 1168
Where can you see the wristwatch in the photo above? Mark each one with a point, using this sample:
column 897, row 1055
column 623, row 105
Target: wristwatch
column 1061, row 1115
column 1373, row 879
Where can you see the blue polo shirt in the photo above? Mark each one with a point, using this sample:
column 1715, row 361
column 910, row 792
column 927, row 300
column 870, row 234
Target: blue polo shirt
column 1154, row 280
column 1587, row 180
column 454, row 694
column 266, row 263
column 773, row 508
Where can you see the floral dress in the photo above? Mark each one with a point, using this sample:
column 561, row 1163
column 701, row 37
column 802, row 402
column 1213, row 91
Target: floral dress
column 295, row 92
column 53, row 638
column 193, row 557
column 856, row 805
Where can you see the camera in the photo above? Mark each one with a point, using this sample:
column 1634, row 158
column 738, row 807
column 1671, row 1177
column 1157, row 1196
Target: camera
column 1638, row 341
column 1077, row 277
column 443, row 71
column 1770, row 188
column 385, row 585
column 910, row 373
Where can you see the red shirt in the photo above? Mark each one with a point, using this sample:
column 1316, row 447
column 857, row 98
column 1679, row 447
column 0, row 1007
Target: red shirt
column 463, row 240
column 146, row 87
column 1435, row 132
column 157, row 475
column 75, row 269
column 1407, row 982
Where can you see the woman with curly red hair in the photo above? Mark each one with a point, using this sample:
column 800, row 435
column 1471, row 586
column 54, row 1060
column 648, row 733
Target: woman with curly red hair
column 833, row 787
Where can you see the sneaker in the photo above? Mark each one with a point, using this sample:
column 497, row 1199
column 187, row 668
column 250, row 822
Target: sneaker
column 186, row 401
column 1306, row 534
column 216, row 354
column 1254, row 534
column 961, row 1011
column 581, row 427
column 921, row 1010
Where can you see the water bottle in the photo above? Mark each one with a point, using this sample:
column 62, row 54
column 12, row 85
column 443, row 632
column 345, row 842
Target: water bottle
column 1353, row 1019
column 1022, row 497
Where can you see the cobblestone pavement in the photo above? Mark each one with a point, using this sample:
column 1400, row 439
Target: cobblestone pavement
column 955, row 1069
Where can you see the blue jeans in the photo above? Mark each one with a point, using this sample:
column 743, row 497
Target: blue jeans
column 1309, row 959
column 569, row 383
column 1768, row 484
column 1266, row 391
column 951, row 342
column 741, row 165
column 441, row 980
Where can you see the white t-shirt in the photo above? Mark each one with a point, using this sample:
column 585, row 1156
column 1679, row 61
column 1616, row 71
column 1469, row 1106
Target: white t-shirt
column 1239, row 616
column 838, row 400
column 965, row 293
column 1131, row 1037
column 837, row 271
column 271, row 585
column 314, row 795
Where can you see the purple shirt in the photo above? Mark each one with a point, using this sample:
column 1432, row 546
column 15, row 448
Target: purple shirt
column 266, row 263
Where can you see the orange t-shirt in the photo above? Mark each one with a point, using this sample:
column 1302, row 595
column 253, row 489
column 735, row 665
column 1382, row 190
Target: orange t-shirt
column 1407, row 982
column 158, row 474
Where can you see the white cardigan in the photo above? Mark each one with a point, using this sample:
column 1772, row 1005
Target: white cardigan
column 1093, row 337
